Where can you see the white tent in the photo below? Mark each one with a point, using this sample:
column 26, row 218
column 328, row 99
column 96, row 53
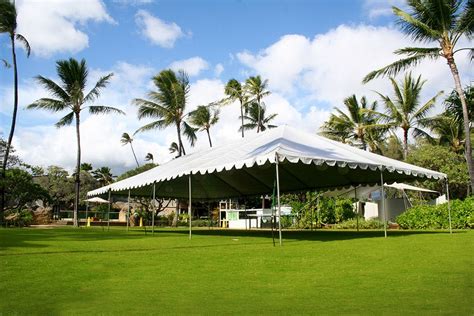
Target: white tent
column 295, row 160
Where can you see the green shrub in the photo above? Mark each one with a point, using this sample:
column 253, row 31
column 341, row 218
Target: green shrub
column 436, row 216
column 363, row 224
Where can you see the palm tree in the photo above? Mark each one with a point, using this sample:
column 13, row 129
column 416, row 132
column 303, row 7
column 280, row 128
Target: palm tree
column 256, row 118
column 149, row 157
column 450, row 132
column 126, row 139
column 443, row 23
column 355, row 125
column 8, row 25
column 168, row 104
column 257, row 88
column 85, row 166
column 404, row 110
column 203, row 118
column 103, row 175
column 69, row 95
column 235, row 91
column 454, row 107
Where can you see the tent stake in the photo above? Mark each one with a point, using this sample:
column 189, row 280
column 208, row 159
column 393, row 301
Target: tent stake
column 153, row 210
column 128, row 211
column 108, row 211
column 278, row 197
column 449, row 206
column 383, row 204
column 189, row 208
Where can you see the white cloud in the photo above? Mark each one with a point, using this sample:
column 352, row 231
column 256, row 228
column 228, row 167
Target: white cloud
column 159, row 32
column 132, row 2
column 380, row 8
column 218, row 69
column 53, row 26
column 330, row 67
column 192, row 66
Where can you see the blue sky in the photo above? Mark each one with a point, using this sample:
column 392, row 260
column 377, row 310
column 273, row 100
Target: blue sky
column 314, row 53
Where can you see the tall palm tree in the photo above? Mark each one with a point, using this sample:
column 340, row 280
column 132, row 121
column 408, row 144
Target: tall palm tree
column 257, row 88
column 174, row 148
column 103, row 175
column 168, row 105
column 441, row 23
column 235, row 91
column 355, row 124
column 127, row 139
column 85, row 166
column 203, row 118
column 256, row 118
column 149, row 157
column 69, row 95
column 8, row 25
column 404, row 109
column 454, row 107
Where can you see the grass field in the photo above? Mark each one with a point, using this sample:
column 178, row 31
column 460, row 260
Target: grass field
column 88, row 271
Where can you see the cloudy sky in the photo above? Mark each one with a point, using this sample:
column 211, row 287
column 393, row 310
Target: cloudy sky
column 314, row 54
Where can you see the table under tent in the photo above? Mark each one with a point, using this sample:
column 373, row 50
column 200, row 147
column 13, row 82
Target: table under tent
column 294, row 160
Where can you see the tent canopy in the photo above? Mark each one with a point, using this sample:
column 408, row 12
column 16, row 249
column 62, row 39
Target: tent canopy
column 247, row 167
column 404, row 186
column 364, row 192
column 96, row 200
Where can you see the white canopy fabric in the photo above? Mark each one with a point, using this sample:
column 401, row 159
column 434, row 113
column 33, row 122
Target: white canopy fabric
column 96, row 200
column 404, row 186
column 246, row 167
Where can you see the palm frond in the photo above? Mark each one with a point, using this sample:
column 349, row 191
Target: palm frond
column 160, row 124
column 66, row 120
column 100, row 84
column 5, row 63
column 418, row 51
column 25, row 43
column 53, row 88
column 48, row 104
column 189, row 132
column 150, row 109
column 102, row 109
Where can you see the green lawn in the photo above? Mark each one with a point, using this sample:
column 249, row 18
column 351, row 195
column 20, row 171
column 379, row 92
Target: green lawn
column 88, row 271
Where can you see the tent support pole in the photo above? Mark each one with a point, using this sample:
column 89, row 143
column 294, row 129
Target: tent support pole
column 153, row 211
column 357, row 207
column 449, row 206
column 383, row 203
column 87, row 212
column 189, row 209
column 128, row 211
column 278, row 198
column 108, row 210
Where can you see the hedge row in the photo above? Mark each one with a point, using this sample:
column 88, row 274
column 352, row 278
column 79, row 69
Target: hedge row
column 436, row 216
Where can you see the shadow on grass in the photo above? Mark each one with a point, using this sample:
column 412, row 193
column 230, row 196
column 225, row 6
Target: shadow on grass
column 45, row 238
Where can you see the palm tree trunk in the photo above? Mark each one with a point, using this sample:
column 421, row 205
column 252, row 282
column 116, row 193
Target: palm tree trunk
column 405, row 144
column 258, row 118
column 133, row 151
column 209, row 137
column 12, row 128
column 467, row 134
column 78, row 172
column 242, row 117
column 180, row 142
column 175, row 218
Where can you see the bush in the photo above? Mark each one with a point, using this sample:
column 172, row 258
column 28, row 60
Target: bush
column 363, row 224
column 436, row 216
column 20, row 218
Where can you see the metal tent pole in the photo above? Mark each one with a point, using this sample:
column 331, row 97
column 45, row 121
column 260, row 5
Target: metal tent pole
column 189, row 208
column 383, row 204
column 357, row 207
column 278, row 198
column 108, row 211
column 87, row 212
column 153, row 211
column 449, row 206
column 128, row 211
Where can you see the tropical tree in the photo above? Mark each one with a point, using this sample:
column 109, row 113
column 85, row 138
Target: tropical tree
column 257, row 89
column 256, row 118
column 203, row 118
column 69, row 95
column 168, row 105
column 8, row 25
column 149, row 157
column 441, row 23
column 174, row 148
column 454, row 107
column 404, row 109
column 127, row 139
column 450, row 133
column 235, row 91
column 87, row 167
column 103, row 175
column 354, row 124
